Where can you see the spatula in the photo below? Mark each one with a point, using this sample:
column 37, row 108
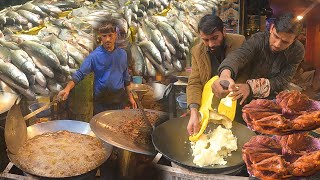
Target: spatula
column 16, row 128
column 144, row 116
column 206, row 106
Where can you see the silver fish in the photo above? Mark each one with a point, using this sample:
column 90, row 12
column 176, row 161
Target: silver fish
column 42, row 52
column 138, row 60
column 18, row 18
column 151, row 51
column 176, row 63
column 22, row 61
column 71, row 62
column 5, row 54
column 30, row 95
column 150, row 68
column 31, row 17
column 40, row 90
column 49, row 8
column 40, row 78
column 75, row 53
column 54, row 86
column 42, row 65
column 31, row 79
column 14, row 73
column 158, row 40
column 168, row 32
column 59, row 48
column 169, row 45
column 33, row 8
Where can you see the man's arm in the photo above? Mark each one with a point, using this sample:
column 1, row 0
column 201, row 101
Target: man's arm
column 194, row 93
column 85, row 69
column 127, row 84
column 131, row 99
column 63, row 94
column 263, row 87
column 194, row 87
column 239, row 58
column 235, row 61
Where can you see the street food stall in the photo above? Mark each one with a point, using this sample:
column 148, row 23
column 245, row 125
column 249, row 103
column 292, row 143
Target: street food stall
column 44, row 42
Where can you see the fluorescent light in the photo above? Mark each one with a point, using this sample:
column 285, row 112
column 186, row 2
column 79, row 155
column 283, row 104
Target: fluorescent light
column 299, row 17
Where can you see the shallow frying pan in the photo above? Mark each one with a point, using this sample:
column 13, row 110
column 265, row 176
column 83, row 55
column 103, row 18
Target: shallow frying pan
column 58, row 125
column 110, row 127
column 171, row 139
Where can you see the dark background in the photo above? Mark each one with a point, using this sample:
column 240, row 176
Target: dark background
column 7, row 3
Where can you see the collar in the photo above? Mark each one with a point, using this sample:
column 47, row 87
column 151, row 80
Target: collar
column 227, row 41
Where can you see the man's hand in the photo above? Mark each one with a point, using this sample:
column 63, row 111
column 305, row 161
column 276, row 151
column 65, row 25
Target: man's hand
column 63, row 94
column 194, row 123
column 132, row 102
column 240, row 91
column 217, row 89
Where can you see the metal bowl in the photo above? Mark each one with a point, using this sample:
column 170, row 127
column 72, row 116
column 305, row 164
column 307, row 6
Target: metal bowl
column 183, row 78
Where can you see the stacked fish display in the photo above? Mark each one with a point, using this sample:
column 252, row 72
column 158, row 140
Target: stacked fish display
column 43, row 42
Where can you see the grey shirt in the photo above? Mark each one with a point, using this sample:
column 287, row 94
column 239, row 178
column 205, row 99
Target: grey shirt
column 279, row 68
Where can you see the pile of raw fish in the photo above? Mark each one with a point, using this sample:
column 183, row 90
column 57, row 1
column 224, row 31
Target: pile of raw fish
column 42, row 42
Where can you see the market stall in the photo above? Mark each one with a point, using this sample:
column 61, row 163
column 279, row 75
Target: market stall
column 43, row 42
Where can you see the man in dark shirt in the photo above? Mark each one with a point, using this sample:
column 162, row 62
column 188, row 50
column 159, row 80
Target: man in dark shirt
column 273, row 56
column 207, row 55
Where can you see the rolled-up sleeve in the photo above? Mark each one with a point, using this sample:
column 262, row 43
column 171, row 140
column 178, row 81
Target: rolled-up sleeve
column 85, row 69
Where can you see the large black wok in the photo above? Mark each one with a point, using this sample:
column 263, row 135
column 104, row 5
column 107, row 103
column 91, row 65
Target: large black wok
column 171, row 139
column 57, row 125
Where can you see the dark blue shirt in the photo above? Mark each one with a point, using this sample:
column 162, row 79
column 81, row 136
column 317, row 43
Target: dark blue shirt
column 110, row 70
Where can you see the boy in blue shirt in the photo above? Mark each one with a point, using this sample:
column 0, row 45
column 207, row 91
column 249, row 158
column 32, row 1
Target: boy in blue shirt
column 111, row 76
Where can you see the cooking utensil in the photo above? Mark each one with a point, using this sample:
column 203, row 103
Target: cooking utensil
column 171, row 140
column 109, row 126
column 206, row 106
column 141, row 89
column 16, row 128
column 144, row 116
column 183, row 78
column 7, row 97
column 41, row 109
column 227, row 106
column 160, row 91
column 58, row 125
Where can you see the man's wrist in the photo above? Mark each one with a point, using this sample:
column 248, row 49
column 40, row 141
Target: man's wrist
column 225, row 73
column 194, row 106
